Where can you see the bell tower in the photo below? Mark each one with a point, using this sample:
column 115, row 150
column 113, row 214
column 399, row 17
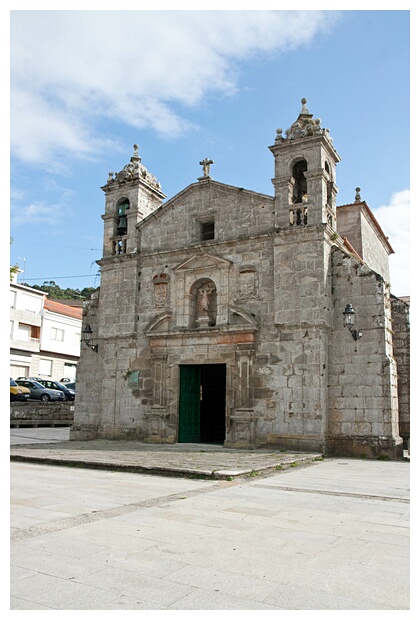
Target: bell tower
column 131, row 195
column 305, row 229
column 304, row 176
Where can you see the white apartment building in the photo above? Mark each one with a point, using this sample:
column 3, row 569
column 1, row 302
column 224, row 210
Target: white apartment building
column 60, row 340
column 44, row 335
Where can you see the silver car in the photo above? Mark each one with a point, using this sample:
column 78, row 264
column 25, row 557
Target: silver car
column 39, row 392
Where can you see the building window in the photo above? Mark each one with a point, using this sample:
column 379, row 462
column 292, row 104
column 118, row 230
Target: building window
column 24, row 332
column 57, row 334
column 45, row 368
column 70, row 371
column 207, row 230
column 18, row 371
column 30, row 303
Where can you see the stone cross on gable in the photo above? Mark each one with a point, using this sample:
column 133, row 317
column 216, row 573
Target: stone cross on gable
column 206, row 163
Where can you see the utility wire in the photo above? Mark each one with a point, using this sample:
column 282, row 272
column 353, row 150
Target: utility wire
column 68, row 247
column 90, row 275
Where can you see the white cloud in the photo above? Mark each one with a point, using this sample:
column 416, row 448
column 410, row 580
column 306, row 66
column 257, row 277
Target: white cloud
column 34, row 213
column 70, row 69
column 394, row 219
column 39, row 212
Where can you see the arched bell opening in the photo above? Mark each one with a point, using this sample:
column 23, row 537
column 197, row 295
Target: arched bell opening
column 300, row 186
column 122, row 208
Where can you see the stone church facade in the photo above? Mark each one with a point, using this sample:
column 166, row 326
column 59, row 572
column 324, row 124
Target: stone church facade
column 219, row 318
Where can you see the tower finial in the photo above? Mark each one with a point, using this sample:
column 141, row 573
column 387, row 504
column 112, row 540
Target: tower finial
column 304, row 108
column 136, row 159
column 357, row 198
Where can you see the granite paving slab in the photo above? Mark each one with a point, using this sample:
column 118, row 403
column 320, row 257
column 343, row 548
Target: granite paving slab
column 192, row 460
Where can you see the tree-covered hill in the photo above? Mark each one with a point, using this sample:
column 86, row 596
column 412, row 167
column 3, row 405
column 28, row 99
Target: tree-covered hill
column 55, row 292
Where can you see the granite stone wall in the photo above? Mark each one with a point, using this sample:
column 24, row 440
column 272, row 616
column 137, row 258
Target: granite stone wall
column 362, row 391
column 400, row 310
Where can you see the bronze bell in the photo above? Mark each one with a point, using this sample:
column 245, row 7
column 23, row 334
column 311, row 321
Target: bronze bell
column 122, row 225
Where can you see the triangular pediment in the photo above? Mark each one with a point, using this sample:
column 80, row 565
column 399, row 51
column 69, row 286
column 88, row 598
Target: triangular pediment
column 203, row 261
column 212, row 187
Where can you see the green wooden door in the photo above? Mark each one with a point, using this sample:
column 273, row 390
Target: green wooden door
column 189, row 404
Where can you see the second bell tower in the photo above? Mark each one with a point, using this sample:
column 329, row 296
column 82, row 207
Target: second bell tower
column 304, row 177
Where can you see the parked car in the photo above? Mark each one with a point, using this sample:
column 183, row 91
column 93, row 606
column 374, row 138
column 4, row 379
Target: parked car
column 39, row 392
column 18, row 392
column 55, row 385
column 71, row 386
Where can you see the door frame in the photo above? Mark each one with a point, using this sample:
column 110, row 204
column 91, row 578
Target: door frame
column 191, row 406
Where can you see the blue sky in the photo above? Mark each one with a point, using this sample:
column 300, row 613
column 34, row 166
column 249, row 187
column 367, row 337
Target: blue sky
column 184, row 85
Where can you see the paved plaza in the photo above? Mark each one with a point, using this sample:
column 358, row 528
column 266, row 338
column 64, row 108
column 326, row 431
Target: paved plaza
column 321, row 535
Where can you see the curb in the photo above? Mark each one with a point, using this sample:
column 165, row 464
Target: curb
column 207, row 474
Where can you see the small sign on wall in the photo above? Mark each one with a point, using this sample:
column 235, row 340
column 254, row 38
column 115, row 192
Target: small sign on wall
column 133, row 379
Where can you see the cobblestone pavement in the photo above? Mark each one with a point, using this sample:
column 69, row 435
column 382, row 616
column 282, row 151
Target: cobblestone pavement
column 208, row 461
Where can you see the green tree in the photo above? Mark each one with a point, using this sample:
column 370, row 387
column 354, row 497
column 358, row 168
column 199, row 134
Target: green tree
column 56, row 292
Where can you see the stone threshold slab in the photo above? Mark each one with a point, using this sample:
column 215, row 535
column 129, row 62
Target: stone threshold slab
column 206, row 464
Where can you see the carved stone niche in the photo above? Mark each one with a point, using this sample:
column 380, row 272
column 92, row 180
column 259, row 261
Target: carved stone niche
column 157, row 421
column 193, row 274
column 242, row 432
column 203, row 303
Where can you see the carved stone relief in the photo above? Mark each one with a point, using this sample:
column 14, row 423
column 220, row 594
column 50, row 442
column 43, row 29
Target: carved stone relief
column 248, row 284
column 160, row 289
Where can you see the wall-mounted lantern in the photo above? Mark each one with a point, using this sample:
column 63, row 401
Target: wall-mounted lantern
column 87, row 338
column 349, row 314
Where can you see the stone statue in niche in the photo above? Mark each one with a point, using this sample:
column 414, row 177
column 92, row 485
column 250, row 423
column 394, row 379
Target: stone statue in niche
column 204, row 298
column 204, row 307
